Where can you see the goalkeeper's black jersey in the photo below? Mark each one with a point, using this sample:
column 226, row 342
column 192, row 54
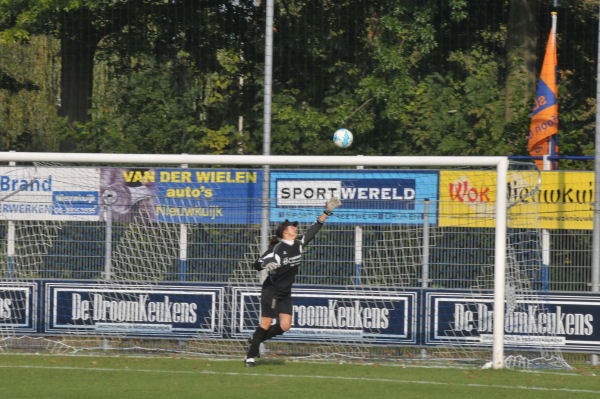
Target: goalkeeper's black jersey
column 289, row 256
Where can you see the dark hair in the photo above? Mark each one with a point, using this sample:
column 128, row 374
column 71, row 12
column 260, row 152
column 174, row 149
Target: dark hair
column 274, row 240
column 282, row 226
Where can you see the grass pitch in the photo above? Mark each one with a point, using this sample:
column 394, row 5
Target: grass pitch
column 50, row 376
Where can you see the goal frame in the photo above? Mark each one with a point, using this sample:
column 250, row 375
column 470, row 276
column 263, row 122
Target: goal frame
column 499, row 162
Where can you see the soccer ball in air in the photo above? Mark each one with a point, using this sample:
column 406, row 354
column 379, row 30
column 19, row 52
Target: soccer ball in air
column 342, row 138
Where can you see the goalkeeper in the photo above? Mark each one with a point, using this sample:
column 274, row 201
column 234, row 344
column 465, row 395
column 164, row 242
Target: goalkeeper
column 281, row 261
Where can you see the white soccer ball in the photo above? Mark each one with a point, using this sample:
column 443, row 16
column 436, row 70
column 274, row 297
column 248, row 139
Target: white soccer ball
column 343, row 138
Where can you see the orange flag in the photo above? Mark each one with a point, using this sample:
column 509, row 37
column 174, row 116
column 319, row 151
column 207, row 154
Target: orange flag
column 544, row 119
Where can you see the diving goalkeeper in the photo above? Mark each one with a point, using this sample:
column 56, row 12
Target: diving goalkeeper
column 281, row 261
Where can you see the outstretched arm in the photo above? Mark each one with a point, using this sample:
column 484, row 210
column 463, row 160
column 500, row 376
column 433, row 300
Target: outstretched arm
column 322, row 218
column 331, row 204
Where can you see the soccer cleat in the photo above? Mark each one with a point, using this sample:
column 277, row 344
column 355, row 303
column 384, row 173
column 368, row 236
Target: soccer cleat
column 249, row 361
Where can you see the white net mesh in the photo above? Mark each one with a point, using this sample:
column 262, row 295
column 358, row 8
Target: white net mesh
column 164, row 265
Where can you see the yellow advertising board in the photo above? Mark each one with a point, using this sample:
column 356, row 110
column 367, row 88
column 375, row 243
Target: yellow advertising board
column 564, row 199
column 467, row 198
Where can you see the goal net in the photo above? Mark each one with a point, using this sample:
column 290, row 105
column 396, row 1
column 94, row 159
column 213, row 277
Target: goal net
column 154, row 256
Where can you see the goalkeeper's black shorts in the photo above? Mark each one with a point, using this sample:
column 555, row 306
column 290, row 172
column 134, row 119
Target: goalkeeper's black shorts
column 272, row 305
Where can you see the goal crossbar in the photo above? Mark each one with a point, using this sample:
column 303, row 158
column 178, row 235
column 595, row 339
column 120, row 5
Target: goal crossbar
column 273, row 160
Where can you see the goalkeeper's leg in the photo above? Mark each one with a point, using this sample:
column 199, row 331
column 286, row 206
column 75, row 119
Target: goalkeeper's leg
column 260, row 335
column 273, row 331
column 265, row 331
column 257, row 338
column 284, row 307
column 285, row 322
column 268, row 305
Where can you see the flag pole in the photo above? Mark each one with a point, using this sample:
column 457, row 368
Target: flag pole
column 549, row 164
column 544, row 118
column 553, row 145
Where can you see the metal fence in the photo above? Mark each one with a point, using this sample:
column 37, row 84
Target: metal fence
column 389, row 255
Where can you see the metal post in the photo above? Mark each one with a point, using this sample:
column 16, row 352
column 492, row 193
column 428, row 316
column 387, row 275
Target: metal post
column 596, row 232
column 358, row 249
column 548, row 165
column 109, row 197
column 425, row 269
column 182, row 251
column 358, row 255
column 264, row 225
column 10, row 248
column 545, row 272
column 265, row 208
column 10, row 238
column 268, row 77
column 108, row 243
column 183, row 246
column 425, row 260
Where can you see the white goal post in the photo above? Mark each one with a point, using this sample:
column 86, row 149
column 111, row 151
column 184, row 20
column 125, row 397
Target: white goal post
column 499, row 163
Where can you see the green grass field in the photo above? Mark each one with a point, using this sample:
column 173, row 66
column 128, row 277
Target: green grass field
column 51, row 376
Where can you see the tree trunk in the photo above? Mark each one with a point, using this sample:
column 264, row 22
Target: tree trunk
column 521, row 46
column 76, row 78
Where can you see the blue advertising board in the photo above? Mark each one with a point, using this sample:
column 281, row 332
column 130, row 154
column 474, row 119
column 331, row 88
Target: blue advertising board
column 229, row 196
column 377, row 317
column 547, row 320
column 133, row 310
column 18, row 306
column 368, row 196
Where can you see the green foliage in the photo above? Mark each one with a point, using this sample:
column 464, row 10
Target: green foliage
column 28, row 115
column 19, row 19
column 162, row 109
column 407, row 78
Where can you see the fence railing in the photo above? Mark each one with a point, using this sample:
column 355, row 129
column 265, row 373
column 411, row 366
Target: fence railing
column 215, row 253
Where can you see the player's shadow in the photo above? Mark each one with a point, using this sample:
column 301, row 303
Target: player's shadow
column 271, row 362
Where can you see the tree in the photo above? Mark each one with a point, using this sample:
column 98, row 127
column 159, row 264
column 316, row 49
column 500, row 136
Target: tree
column 78, row 26
column 175, row 87
column 148, row 26
column 378, row 68
column 436, row 77
column 345, row 63
column 411, row 77
column 521, row 50
column 164, row 108
column 28, row 93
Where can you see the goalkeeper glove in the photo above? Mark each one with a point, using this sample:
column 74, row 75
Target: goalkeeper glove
column 331, row 204
column 271, row 266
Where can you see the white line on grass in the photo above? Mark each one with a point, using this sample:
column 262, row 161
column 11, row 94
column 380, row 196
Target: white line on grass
column 318, row 377
column 309, row 360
